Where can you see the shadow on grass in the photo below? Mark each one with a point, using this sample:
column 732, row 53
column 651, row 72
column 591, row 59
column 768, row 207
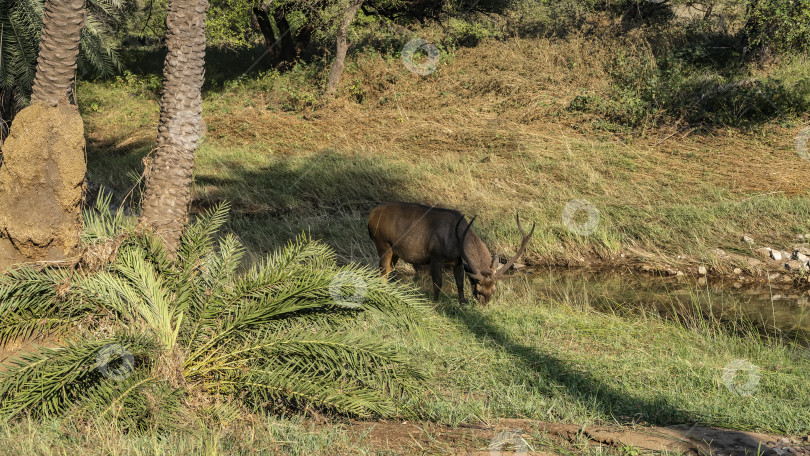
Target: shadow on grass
column 626, row 407
column 221, row 64
column 328, row 194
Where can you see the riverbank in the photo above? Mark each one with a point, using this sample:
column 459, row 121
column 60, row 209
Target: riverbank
column 485, row 135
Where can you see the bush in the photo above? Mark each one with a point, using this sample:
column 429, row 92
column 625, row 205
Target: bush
column 149, row 338
column 783, row 25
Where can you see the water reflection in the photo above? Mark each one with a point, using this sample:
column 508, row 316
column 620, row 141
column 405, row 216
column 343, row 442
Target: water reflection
column 782, row 311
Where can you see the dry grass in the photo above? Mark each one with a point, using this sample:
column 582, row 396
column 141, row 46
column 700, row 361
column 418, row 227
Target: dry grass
column 488, row 133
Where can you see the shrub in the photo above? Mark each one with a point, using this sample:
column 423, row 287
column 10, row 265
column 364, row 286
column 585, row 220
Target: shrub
column 149, row 338
column 783, row 25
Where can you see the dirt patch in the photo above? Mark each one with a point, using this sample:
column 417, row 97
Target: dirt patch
column 529, row 437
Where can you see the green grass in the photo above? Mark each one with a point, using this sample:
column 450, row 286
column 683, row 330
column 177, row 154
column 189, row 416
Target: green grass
column 566, row 361
column 262, row 436
column 553, row 360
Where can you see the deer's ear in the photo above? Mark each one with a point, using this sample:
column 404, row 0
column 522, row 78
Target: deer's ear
column 496, row 261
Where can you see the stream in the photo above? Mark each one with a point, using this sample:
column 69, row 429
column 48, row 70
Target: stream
column 774, row 310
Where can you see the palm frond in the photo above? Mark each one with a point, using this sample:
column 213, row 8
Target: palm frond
column 137, row 292
column 48, row 381
column 34, row 303
column 266, row 387
column 100, row 223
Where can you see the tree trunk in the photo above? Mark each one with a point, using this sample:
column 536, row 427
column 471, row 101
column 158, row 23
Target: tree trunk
column 286, row 37
column 342, row 47
column 168, row 174
column 43, row 157
column 267, row 31
column 58, row 51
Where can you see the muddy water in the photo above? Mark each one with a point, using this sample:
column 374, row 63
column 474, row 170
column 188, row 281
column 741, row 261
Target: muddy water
column 781, row 311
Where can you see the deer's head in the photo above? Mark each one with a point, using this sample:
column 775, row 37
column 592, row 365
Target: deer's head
column 483, row 276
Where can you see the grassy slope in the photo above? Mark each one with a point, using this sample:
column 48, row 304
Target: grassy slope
column 488, row 133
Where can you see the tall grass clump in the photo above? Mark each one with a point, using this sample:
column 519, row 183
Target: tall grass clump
column 151, row 339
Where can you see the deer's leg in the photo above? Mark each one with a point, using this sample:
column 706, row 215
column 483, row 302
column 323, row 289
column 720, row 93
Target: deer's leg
column 458, row 273
column 386, row 256
column 436, row 274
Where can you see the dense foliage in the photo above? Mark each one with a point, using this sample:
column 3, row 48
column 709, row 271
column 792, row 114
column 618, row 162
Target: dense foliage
column 148, row 338
column 781, row 24
column 20, row 29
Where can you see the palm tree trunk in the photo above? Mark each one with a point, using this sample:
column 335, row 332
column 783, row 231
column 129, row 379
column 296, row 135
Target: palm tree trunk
column 168, row 174
column 43, row 157
column 342, row 47
column 58, row 51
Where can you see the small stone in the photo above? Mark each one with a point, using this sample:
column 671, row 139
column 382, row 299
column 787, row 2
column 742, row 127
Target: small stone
column 702, row 270
column 702, row 281
column 786, row 255
column 737, row 271
column 763, row 252
column 797, row 255
column 794, row 265
column 776, row 255
column 737, row 285
column 774, row 276
column 747, row 239
column 679, row 273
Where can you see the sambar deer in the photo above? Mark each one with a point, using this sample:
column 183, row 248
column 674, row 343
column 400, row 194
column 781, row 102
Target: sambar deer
column 425, row 235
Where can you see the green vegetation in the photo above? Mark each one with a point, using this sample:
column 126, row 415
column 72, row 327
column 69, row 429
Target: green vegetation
column 148, row 339
column 655, row 114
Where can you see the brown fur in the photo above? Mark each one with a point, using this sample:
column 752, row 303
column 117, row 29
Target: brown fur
column 426, row 235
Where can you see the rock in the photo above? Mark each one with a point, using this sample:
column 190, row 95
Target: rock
column 679, row 274
column 776, row 255
column 774, row 276
column 702, row 281
column 763, row 252
column 737, row 285
column 798, row 255
column 794, row 265
column 753, row 262
column 747, row 239
column 737, row 271
column 719, row 252
column 786, row 255
column 702, row 270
